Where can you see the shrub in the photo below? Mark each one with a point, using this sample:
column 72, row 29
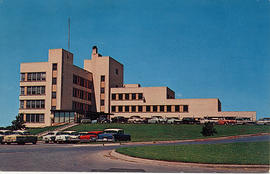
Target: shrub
column 208, row 129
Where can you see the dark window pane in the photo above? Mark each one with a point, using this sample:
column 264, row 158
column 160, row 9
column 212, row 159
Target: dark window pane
column 54, row 66
column 113, row 96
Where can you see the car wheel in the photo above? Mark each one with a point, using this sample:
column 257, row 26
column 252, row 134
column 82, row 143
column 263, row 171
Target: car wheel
column 46, row 142
column 8, row 143
column 34, row 142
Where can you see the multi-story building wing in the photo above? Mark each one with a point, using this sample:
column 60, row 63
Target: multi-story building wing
column 58, row 91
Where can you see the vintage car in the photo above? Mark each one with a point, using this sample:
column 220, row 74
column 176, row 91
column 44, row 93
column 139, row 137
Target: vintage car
column 189, row 120
column 173, row 120
column 209, row 120
column 113, row 135
column 226, row 121
column 119, row 119
column 4, row 133
column 20, row 137
column 263, row 121
column 67, row 137
column 135, row 119
column 157, row 119
column 50, row 137
column 90, row 136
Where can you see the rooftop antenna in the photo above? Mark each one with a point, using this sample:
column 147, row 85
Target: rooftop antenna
column 68, row 33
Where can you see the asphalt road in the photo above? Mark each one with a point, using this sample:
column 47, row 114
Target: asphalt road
column 97, row 158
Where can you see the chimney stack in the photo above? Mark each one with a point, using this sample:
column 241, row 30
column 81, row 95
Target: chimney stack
column 94, row 50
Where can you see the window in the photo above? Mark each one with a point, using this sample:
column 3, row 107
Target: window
column 102, row 78
column 53, row 108
column 22, row 77
column 21, row 104
column 74, row 79
column 101, row 102
column 133, row 96
column 126, row 108
column 54, row 66
column 154, row 108
column 89, row 96
column 35, row 118
column 120, row 108
column 54, row 80
column 169, row 108
column 28, row 118
column 177, row 109
column 53, row 94
column 120, row 96
column 29, row 77
column 38, row 76
column 116, row 71
column 147, row 108
column 133, row 108
column 161, row 108
column 102, row 90
column 43, row 76
column 34, row 76
column 113, row 96
column 113, row 108
column 140, row 108
column 126, row 96
column 22, row 90
column 185, row 108
column 35, row 90
column 140, row 96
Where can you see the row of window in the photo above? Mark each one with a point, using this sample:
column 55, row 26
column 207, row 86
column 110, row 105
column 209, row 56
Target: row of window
column 32, row 90
column 127, row 96
column 148, row 108
column 81, row 94
column 36, row 76
column 32, row 104
column 81, row 106
column 64, row 117
column 34, row 118
column 82, row 81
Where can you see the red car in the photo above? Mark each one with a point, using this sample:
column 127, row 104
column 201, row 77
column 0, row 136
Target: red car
column 90, row 136
column 226, row 122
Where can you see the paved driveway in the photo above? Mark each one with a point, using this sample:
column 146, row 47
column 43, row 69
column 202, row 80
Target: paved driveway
column 98, row 158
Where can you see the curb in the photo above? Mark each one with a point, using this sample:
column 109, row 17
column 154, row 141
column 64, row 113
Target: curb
column 119, row 156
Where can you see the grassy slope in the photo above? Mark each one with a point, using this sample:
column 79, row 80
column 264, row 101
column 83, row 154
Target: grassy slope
column 39, row 130
column 235, row 153
column 154, row 132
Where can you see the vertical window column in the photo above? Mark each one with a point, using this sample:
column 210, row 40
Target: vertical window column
column 54, row 84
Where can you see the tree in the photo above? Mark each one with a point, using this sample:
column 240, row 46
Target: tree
column 18, row 124
column 208, row 129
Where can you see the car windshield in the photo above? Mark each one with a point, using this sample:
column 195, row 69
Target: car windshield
column 110, row 132
column 50, row 133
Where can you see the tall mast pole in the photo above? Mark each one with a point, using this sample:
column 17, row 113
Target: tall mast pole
column 68, row 33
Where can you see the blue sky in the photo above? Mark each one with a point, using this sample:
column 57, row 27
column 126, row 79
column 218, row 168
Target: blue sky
column 198, row 48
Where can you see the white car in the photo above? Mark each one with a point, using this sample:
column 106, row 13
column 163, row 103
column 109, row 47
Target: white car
column 4, row 133
column 135, row 119
column 157, row 119
column 173, row 120
column 50, row 137
column 67, row 137
column 263, row 121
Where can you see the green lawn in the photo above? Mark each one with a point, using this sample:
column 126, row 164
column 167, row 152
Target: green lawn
column 155, row 132
column 234, row 153
column 39, row 130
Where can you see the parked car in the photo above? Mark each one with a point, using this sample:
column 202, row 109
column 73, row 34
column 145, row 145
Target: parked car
column 67, row 137
column 4, row 133
column 242, row 121
column 90, row 136
column 119, row 119
column 86, row 121
column 113, row 135
column 263, row 121
column 50, row 137
column 135, row 119
column 189, row 120
column 20, row 137
column 226, row 121
column 157, row 119
column 209, row 120
column 173, row 120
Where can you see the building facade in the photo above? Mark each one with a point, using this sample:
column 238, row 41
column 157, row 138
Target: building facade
column 57, row 91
